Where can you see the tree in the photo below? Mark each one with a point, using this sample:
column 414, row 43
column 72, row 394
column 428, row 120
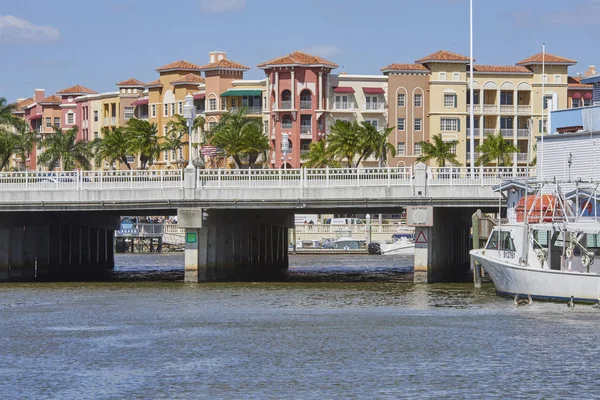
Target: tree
column 344, row 141
column 114, row 146
column 318, row 156
column 236, row 135
column 7, row 116
column 377, row 143
column 142, row 139
column 254, row 143
column 439, row 150
column 61, row 148
column 177, row 129
column 495, row 149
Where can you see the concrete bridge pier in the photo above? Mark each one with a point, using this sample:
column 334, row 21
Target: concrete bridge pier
column 442, row 251
column 230, row 244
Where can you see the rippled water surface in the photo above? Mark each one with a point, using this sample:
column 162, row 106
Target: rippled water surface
column 335, row 327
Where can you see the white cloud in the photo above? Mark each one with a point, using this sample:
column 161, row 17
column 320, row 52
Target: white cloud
column 324, row 51
column 219, row 6
column 14, row 30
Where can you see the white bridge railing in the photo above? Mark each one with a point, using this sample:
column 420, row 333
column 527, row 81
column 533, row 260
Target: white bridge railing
column 255, row 178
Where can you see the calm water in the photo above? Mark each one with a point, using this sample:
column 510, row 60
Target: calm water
column 335, row 328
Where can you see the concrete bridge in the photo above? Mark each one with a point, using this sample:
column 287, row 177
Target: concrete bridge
column 236, row 221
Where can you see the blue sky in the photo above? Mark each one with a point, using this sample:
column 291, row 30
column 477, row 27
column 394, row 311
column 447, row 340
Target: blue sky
column 56, row 44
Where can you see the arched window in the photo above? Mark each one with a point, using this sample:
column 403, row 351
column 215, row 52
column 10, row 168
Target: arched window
column 286, row 122
column 286, row 99
column 305, row 100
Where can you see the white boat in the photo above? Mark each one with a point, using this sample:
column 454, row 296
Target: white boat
column 347, row 243
column 402, row 244
column 547, row 249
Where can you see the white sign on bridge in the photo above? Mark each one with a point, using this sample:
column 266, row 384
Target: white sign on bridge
column 419, row 216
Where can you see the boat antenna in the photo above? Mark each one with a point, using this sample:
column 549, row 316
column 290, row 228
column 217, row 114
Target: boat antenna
column 543, row 107
column 471, row 91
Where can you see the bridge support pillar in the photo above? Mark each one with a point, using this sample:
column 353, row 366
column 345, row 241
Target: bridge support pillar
column 442, row 251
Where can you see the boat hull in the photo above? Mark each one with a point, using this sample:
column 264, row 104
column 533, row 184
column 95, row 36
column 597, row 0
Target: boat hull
column 513, row 280
column 398, row 249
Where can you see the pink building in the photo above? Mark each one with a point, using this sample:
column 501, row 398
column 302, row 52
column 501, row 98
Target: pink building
column 297, row 87
column 75, row 113
column 31, row 110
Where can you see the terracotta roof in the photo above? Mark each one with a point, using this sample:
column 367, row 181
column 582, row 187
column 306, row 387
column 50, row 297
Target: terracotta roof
column 154, row 83
column 509, row 69
column 181, row 65
column 575, row 83
column 131, row 82
column 224, row 64
column 404, row 67
column 189, row 78
column 54, row 99
column 443, row 55
column 77, row 89
column 546, row 58
column 298, row 58
column 25, row 103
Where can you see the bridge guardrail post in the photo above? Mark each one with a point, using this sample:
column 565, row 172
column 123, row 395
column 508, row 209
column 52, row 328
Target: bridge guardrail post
column 279, row 173
column 219, row 178
column 357, row 178
column 26, row 180
column 327, row 176
column 101, row 178
column 389, row 174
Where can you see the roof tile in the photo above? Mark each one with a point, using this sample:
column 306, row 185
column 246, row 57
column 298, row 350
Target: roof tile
column 77, row 89
column 189, row 78
column 25, row 103
column 298, row 58
column 547, row 58
column 224, row 64
column 443, row 55
column 180, row 65
column 154, row 83
column 54, row 99
column 574, row 82
column 404, row 67
column 131, row 82
column 510, row 69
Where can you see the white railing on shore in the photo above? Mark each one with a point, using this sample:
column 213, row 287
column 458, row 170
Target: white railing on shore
column 464, row 176
column 141, row 229
column 354, row 228
column 256, row 178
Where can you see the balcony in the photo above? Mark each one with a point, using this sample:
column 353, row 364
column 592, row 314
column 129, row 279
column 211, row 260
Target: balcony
column 521, row 157
column 249, row 109
column 286, row 125
column 305, row 104
column 523, row 133
column 489, row 131
column 344, row 106
column 305, row 131
column 113, row 120
column 143, row 116
column 200, row 110
column 476, row 155
column 523, row 109
column 476, row 108
column 507, row 109
column 507, row 133
column 490, row 109
column 106, row 121
column 375, row 107
column 304, row 151
column 286, row 104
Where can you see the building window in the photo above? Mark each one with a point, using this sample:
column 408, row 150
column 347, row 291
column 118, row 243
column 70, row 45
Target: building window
column 576, row 103
column 401, row 125
column 181, row 108
column 371, row 102
column 418, row 100
column 417, row 149
column 57, row 122
column 372, row 122
column 442, row 76
column 266, row 127
column 223, row 103
column 401, row 150
column 212, row 104
column 153, row 110
column 456, row 76
column 165, row 110
column 172, row 109
column 450, row 100
column 70, row 118
column 48, row 122
column 542, row 127
column 587, row 102
column 544, row 78
column 546, row 100
column 234, row 103
column 212, row 124
column 286, row 122
column 96, row 116
column 506, row 98
column 130, row 159
column 96, row 135
column 128, row 112
column 449, row 125
column 453, row 149
column 418, row 124
column 401, row 100
column 557, row 79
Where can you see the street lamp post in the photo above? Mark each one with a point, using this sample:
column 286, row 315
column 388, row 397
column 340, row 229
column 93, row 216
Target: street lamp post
column 188, row 113
column 285, row 148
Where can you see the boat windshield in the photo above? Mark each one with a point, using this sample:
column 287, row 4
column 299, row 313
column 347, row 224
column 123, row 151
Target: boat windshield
column 500, row 240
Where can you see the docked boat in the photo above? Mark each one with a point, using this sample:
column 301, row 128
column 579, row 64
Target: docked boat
column 547, row 248
column 402, row 244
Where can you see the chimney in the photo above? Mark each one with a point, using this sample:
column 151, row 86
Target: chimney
column 217, row 56
column 38, row 95
column 591, row 71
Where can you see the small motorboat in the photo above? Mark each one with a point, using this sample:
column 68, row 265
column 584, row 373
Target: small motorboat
column 402, row 244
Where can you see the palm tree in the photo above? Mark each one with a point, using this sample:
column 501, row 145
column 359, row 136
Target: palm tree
column 345, row 141
column 7, row 116
column 114, row 146
column 177, row 129
column 318, row 156
column 439, row 150
column 142, row 138
column 495, row 149
column 233, row 133
column 377, row 142
column 254, row 143
column 62, row 148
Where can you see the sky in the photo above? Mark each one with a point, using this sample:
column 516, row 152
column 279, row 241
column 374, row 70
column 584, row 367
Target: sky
column 57, row 44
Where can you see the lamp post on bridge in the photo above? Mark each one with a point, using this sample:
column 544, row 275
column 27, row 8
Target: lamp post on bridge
column 189, row 112
column 285, row 148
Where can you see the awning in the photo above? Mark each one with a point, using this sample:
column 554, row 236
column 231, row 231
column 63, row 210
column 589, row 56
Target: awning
column 37, row 116
column 140, row 102
column 373, row 90
column 576, row 95
column 199, row 96
column 241, row 92
column 342, row 89
column 588, row 96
